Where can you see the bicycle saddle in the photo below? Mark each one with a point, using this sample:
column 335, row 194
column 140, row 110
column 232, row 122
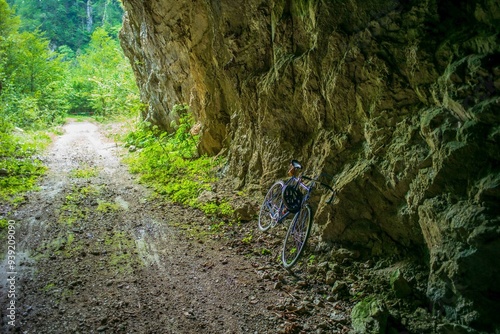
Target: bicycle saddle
column 296, row 164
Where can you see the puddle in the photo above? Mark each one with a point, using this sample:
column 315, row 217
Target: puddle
column 148, row 237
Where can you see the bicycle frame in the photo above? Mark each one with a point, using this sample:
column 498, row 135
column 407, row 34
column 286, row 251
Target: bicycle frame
column 274, row 211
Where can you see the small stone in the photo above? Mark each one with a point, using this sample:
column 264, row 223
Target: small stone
column 330, row 299
column 339, row 287
column 331, row 277
column 302, row 284
column 318, row 302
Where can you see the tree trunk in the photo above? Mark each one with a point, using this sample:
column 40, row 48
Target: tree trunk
column 89, row 16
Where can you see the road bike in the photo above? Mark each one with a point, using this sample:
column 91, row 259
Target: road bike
column 291, row 197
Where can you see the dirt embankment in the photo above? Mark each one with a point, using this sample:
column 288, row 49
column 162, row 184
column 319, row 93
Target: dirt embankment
column 94, row 253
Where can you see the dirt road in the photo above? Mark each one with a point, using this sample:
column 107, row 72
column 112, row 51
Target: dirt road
column 95, row 254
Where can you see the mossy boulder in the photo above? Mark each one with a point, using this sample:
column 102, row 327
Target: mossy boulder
column 369, row 316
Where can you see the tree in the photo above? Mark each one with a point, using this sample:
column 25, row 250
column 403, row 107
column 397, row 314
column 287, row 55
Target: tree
column 9, row 23
column 68, row 23
column 31, row 75
column 102, row 81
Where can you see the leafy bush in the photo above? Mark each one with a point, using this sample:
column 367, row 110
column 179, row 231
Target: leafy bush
column 32, row 89
column 19, row 170
column 101, row 80
column 170, row 165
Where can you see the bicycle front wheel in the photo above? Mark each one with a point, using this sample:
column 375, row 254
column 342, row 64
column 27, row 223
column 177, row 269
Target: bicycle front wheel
column 270, row 208
column 296, row 237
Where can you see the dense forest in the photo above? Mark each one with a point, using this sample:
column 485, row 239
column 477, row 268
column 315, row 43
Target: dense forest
column 62, row 57
column 57, row 58
column 68, row 23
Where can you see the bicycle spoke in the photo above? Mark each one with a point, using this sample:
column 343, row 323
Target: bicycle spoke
column 270, row 209
column 296, row 237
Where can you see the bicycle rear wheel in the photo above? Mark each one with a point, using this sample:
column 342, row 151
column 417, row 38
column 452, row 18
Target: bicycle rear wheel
column 269, row 210
column 296, row 237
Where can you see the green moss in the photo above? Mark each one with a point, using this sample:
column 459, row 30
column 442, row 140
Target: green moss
column 120, row 249
column 72, row 209
column 104, row 206
column 64, row 245
column 85, row 172
column 369, row 316
column 90, row 190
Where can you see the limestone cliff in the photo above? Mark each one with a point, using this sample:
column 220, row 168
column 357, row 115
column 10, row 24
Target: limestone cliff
column 398, row 99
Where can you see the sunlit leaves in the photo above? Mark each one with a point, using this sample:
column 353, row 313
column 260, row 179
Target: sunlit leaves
column 102, row 80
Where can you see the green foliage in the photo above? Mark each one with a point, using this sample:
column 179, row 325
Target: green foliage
column 19, row 170
column 247, row 239
column 216, row 208
column 8, row 21
column 265, row 251
column 169, row 164
column 84, row 173
column 38, row 85
column 32, row 89
column 217, row 227
column 69, row 23
column 102, row 81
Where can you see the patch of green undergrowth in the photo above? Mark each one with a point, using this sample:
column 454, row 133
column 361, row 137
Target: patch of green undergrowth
column 72, row 209
column 106, row 207
column 84, row 172
column 169, row 163
column 19, row 166
column 222, row 208
column 120, row 259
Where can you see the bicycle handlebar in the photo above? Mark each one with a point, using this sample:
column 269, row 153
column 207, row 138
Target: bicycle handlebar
column 324, row 185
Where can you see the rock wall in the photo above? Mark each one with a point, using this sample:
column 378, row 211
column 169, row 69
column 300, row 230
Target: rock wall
column 398, row 99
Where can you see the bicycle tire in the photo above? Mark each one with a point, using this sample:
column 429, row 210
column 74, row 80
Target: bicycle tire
column 269, row 210
column 296, row 237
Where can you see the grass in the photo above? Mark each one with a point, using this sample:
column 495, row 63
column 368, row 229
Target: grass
column 106, row 207
column 169, row 164
column 72, row 209
column 20, row 168
column 85, row 172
